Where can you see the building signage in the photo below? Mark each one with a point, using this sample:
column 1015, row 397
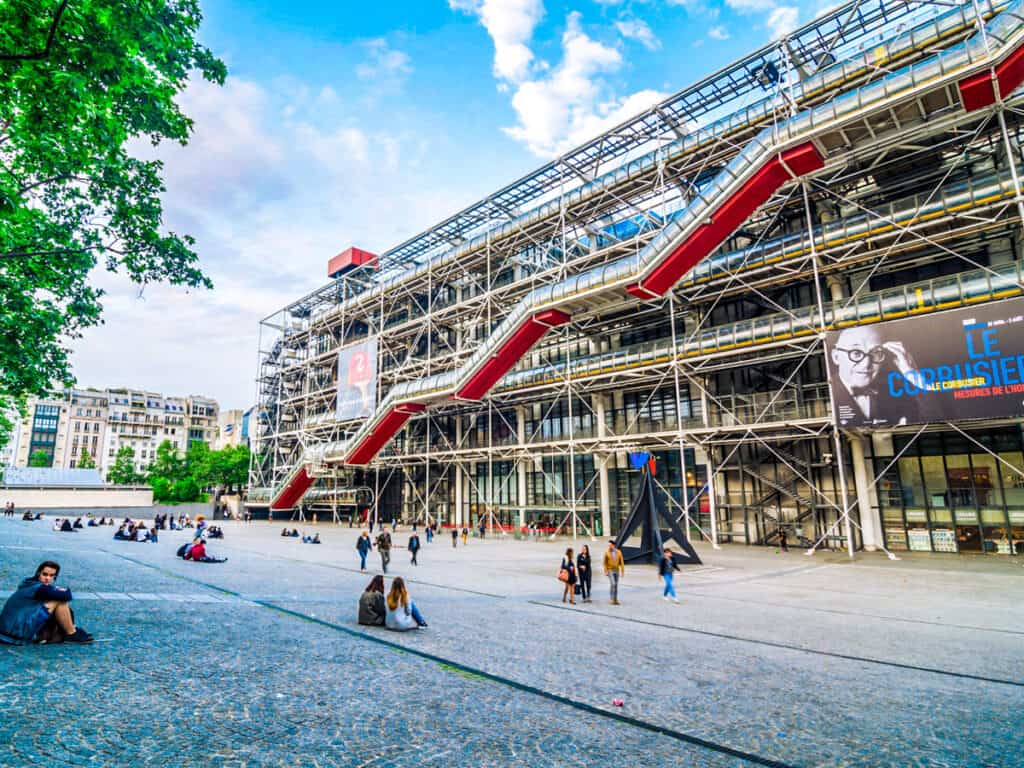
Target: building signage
column 963, row 364
column 357, row 380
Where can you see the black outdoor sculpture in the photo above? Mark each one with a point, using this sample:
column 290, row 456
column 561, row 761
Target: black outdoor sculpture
column 649, row 511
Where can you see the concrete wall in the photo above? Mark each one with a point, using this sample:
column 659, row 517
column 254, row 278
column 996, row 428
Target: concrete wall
column 78, row 498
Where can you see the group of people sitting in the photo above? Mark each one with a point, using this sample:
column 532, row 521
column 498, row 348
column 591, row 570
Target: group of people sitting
column 92, row 522
column 397, row 611
column 130, row 530
column 294, row 534
column 30, row 516
column 65, row 525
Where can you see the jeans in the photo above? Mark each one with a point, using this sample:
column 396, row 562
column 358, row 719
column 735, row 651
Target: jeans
column 585, row 585
column 613, row 581
column 362, row 561
column 414, row 552
column 385, row 558
column 417, row 616
column 670, row 590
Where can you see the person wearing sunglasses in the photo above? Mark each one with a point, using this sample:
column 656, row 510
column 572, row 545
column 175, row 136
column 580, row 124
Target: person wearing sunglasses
column 862, row 359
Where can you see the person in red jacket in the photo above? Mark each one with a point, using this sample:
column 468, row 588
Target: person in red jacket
column 198, row 553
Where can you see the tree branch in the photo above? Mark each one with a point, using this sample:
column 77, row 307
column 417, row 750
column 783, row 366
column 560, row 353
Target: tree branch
column 39, row 55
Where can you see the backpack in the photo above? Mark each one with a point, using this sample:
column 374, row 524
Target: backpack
column 181, row 550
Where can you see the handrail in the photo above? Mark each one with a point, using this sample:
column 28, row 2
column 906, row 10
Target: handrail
column 784, row 144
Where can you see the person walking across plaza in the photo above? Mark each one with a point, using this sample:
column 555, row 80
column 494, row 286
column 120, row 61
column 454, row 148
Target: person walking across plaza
column 465, row 535
column 384, row 548
column 583, row 573
column 567, row 575
column 430, row 532
column 614, row 569
column 666, row 566
column 40, row 612
column 455, row 538
column 363, row 546
column 414, row 546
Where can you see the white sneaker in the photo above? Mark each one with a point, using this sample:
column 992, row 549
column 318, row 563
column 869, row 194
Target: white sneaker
column 665, row 598
column 675, row 599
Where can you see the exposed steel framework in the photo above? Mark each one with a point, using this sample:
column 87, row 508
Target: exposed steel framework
column 690, row 258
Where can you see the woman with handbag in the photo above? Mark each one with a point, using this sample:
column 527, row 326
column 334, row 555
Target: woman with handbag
column 583, row 572
column 567, row 575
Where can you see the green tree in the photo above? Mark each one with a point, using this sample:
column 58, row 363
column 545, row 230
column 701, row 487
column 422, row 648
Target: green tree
column 40, row 459
column 81, row 84
column 86, row 461
column 170, row 475
column 199, row 460
column 123, row 472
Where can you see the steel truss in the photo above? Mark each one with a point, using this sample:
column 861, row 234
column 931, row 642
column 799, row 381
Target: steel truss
column 723, row 377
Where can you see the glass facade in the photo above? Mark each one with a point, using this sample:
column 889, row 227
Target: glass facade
column 947, row 493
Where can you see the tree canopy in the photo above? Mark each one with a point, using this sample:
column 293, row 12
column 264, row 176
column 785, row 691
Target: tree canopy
column 123, row 471
column 79, row 82
column 182, row 478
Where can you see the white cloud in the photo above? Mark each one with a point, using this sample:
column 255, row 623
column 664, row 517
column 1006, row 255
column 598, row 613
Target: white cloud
column 783, row 20
column 270, row 199
column 510, row 23
column 718, row 32
column 557, row 106
column 383, row 61
column 779, row 19
column 637, row 29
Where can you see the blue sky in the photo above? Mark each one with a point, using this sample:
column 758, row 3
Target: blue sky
column 362, row 124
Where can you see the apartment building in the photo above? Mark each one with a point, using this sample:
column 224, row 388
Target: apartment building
column 101, row 422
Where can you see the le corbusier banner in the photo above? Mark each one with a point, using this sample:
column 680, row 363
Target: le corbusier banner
column 357, row 380
column 962, row 364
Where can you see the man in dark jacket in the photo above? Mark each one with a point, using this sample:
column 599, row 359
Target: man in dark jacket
column 40, row 611
column 414, row 546
column 384, row 548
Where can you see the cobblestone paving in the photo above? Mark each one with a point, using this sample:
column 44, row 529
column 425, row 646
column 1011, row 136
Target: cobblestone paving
column 188, row 674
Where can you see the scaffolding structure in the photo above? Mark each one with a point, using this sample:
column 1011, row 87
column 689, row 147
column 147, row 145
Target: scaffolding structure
column 666, row 288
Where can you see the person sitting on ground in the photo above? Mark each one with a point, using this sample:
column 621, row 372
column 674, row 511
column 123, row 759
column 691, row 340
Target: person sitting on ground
column 27, row 515
column 372, row 610
column 38, row 516
column 215, row 532
column 295, row 533
column 315, row 539
column 66, row 526
column 402, row 613
column 78, row 523
column 56, row 523
column 141, row 532
column 121, row 534
column 40, row 612
column 306, row 539
column 198, row 553
column 92, row 523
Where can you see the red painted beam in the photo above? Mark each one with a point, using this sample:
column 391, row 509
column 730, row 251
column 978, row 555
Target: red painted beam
column 978, row 91
column 292, row 493
column 386, row 429
column 496, row 366
column 727, row 218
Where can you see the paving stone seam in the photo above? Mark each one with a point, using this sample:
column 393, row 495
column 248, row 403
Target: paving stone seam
column 457, row 666
column 859, row 614
column 787, row 646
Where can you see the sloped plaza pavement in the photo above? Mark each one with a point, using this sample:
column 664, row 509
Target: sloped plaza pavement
column 769, row 659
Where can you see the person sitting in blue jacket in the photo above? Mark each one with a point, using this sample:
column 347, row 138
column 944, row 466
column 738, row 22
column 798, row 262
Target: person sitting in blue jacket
column 40, row 612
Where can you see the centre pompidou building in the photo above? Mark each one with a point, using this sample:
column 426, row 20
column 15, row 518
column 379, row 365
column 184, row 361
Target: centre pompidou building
column 793, row 282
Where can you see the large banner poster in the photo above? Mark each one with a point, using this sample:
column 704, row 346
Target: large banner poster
column 357, row 380
column 963, row 364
